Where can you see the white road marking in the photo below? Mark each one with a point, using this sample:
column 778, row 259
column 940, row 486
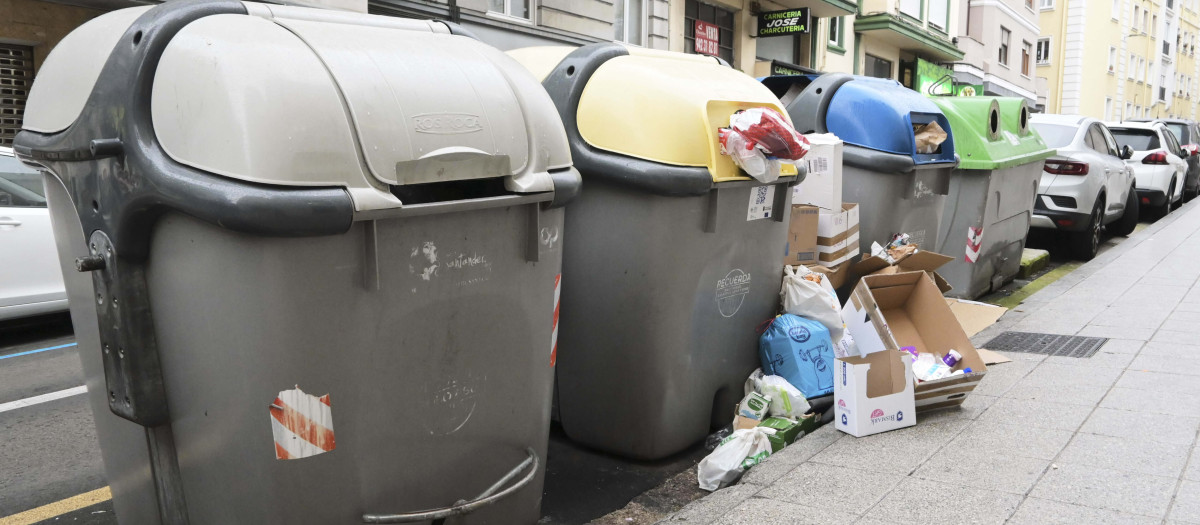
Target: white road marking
column 44, row 398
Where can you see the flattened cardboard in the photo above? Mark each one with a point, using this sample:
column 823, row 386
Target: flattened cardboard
column 801, row 247
column 991, row 358
column 975, row 316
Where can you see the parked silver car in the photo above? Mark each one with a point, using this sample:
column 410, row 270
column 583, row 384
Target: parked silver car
column 31, row 281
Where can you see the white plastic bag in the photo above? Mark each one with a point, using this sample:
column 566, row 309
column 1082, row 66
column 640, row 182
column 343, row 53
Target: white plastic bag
column 741, row 450
column 786, row 399
column 809, row 298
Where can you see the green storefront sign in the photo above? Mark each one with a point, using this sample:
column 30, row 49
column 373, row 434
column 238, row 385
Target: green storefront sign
column 786, row 22
column 933, row 79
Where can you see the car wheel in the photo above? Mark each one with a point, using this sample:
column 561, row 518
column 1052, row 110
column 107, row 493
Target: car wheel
column 1128, row 221
column 1086, row 243
column 1169, row 204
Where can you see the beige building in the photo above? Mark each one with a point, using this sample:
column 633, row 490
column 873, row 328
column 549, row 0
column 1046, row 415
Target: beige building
column 999, row 39
column 1135, row 60
column 890, row 35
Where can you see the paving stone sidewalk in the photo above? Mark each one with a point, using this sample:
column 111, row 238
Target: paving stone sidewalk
column 1100, row 440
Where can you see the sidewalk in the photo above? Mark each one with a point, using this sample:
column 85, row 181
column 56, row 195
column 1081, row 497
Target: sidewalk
column 1106, row 439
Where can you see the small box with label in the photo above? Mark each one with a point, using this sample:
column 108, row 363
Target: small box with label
column 837, row 235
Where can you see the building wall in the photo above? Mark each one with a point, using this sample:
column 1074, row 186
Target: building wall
column 40, row 25
column 1052, row 24
column 983, row 26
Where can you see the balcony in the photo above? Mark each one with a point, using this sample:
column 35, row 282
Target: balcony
column 823, row 8
column 907, row 35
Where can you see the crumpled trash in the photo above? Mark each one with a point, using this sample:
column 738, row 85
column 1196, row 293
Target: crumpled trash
column 808, row 294
column 929, row 137
column 785, row 400
column 741, row 450
column 760, row 140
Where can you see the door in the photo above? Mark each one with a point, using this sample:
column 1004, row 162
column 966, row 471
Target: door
column 1115, row 179
column 29, row 270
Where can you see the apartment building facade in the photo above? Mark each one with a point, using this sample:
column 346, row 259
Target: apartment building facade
column 998, row 39
column 1132, row 59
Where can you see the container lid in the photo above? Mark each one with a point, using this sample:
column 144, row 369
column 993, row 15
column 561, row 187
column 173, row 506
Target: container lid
column 992, row 132
column 882, row 115
column 306, row 97
column 666, row 107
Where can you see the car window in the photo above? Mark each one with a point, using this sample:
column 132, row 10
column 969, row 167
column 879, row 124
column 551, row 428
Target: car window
column 1138, row 139
column 20, row 186
column 1176, row 148
column 1110, row 142
column 1168, row 140
column 1180, row 132
column 1056, row 135
column 1097, row 139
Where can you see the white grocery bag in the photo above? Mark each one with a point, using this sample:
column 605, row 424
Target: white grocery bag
column 786, row 400
column 815, row 301
column 741, row 450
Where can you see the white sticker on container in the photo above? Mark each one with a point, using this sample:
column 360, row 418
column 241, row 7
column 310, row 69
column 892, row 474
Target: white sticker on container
column 762, row 199
column 302, row 424
column 731, row 292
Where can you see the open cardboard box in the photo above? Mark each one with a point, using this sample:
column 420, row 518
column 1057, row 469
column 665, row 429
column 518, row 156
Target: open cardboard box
column 919, row 261
column 887, row 312
column 873, row 393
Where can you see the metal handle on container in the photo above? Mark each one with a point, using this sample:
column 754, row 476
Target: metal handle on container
column 460, row 507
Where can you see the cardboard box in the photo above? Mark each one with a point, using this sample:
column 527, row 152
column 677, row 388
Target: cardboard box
column 787, row 431
column 837, row 235
column 887, row 312
column 919, row 261
column 801, row 247
column 822, row 187
column 838, row 275
column 873, row 394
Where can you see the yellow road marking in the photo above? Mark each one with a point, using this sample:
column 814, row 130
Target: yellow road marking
column 59, row 508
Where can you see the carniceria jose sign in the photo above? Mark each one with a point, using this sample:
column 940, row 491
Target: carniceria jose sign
column 786, row 22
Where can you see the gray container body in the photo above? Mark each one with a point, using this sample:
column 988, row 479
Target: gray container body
column 1001, row 202
column 437, row 385
column 907, row 198
column 661, row 297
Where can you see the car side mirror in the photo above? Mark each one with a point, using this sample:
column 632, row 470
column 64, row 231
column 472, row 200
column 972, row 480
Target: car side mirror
column 1126, row 152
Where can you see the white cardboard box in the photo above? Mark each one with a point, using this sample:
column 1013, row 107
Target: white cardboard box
column 837, row 235
column 822, row 187
column 865, row 396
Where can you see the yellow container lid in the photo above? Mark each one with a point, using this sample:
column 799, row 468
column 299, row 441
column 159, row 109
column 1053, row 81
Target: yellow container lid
column 661, row 106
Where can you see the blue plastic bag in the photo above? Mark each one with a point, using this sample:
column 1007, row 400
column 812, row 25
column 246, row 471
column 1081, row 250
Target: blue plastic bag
column 799, row 350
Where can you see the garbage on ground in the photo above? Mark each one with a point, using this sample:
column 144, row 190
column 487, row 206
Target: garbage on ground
column 713, row 440
column 846, row 347
column 754, row 406
column 801, row 246
column 873, row 394
column 837, row 235
column 928, row 137
column 809, row 294
column 838, row 274
column 822, row 187
column 974, row 317
column 929, row 367
column 786, row 400
column 886, row 313
column 739, row 451
column 788, row 430
column 760, row 140
column 799, row 350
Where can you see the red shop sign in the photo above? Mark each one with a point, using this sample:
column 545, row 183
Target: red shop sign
column 708, row 38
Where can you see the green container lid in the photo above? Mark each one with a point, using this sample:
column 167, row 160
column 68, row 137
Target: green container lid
column 992, row 133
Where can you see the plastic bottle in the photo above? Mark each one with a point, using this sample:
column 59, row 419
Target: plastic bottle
column 952, row 358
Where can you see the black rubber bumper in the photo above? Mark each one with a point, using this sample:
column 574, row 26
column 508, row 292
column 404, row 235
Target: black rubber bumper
column 1155, row 197
column 1078, row 220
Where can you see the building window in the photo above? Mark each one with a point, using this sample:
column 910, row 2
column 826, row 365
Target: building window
column 1029, row 4
column 877, row 67
column 1107, row 108
column 1043, row 51
column 695, row 11
column 1171, row 4
column 1162, row 88
column 1137, row 11
column 1026, row 57
column 629, row 22
column 1112, row 59
column 1128, row 111
column 514, row 8
column 1146, row 113
column 1005, row 35
column 939, row 13
column 1145, row 21
column 1132, row 65
column 836, row 28
column 16, row 76
column 1116, row 9
column 1047, row 4
column 911, row 8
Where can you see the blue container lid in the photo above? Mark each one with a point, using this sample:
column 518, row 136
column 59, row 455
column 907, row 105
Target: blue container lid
column 880, row 114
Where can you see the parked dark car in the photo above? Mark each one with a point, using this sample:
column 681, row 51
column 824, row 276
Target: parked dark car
column 1188, row 134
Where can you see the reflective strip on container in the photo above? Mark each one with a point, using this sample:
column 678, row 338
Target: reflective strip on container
column 302, row 424
column 974, row 243
column 554, row 331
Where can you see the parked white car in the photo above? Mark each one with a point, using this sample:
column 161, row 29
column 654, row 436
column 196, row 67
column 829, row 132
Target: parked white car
column 1086, row 186
column 1159, row 163
column 31, row 282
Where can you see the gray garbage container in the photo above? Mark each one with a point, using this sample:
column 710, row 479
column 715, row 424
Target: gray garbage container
column 323, row 252
column 675, row 257
column 898, row 189
column 992, row 192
